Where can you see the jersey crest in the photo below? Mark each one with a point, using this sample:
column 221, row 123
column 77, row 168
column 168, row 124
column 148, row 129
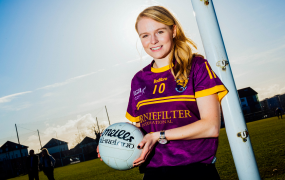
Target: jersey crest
column 181, row 85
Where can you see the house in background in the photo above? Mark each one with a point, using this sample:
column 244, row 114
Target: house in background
column 282, row 101
column 55, row 146
column 87, row 147
column 249, row 100
column 11, row 150
column 274, row 102
column 87, row 141
column 277, row 101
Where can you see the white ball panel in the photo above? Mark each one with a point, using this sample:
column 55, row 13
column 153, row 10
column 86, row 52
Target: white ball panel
column 138, row 134
column 122, row 165
column 136, row 154
column 119, row 144
column 114, row 152
column 111, row 162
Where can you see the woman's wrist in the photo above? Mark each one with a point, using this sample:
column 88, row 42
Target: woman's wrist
column 155, row 135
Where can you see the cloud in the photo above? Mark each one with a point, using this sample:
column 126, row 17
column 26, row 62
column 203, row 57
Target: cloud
column 138, row 59
column 12, row 96
column 259, row 57
column 270, row 91
column 114, row 97
column 67, row 81
column 241, row 74
column 48, row 94
column 66, row 132
column 17, row 107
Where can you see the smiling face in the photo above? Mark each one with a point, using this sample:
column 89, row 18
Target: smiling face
column 156, row 38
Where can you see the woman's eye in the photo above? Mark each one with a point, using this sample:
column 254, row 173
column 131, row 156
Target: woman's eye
column 160, row 32
column 144, row 36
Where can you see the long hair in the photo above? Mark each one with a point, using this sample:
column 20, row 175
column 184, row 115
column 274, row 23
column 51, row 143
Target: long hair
column 45, row 150
column 181, row 49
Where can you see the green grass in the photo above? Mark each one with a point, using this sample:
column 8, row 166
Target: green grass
column 267, row 138
column 93, row 169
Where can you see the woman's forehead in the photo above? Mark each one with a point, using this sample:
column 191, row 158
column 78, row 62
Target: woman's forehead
column 147, row 25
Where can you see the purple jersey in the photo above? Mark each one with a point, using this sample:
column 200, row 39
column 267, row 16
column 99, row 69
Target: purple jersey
column 158, row 102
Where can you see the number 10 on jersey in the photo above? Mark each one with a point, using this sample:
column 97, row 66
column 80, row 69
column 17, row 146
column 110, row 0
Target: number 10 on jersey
column 160, row 89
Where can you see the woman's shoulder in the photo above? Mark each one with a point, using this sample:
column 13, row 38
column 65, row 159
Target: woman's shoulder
column 198, row 59
column 140, row 75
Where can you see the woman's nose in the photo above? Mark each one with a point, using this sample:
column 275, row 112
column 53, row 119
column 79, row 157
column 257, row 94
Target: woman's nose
column 154, row 39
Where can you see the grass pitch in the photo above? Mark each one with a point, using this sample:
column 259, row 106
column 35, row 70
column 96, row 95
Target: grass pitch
column 268, row 142
column 267, row 138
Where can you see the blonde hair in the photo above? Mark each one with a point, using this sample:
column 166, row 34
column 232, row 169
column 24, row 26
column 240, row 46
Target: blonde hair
column 181, row 49
column 45, row 150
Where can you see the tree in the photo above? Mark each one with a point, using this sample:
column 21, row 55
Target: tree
column 98, row 129
column 92, row 130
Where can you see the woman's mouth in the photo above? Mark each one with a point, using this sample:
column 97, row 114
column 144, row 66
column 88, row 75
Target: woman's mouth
column 156, row 48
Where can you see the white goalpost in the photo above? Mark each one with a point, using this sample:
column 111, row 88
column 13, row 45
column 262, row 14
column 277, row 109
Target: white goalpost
column 216, row 54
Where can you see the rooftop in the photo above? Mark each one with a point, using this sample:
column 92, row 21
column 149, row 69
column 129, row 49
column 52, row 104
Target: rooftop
column 245, row 92
column 11, row 146
column 54, row 142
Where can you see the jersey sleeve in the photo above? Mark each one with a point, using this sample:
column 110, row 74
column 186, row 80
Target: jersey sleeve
column 206, row 82
column 131, row 113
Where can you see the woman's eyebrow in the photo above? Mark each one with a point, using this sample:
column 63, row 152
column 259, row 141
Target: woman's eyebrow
column 155, row 30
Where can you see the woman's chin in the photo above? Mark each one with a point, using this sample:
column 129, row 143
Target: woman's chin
column 157, row 56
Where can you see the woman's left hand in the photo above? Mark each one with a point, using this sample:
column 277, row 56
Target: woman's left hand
column 147, row 144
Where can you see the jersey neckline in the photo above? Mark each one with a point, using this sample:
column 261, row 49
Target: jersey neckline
column 162, row 69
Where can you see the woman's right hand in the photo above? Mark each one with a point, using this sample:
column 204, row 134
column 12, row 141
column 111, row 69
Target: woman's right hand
column 147, row 145
column 98, row 152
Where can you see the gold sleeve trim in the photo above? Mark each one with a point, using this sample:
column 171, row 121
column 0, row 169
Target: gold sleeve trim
column 220, row 89
column 131, row 118
column 209, row 72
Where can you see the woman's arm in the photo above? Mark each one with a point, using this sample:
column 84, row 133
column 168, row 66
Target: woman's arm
column 207, row 127
column 52, row 160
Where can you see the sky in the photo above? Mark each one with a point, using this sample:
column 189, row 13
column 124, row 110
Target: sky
column 62, row 62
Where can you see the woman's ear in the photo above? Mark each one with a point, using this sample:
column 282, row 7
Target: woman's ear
column 174, row 30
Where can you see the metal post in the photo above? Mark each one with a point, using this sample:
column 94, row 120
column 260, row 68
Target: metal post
column 98, row 125
column 107, row 115
column 234, row 121
column 40, row 139
column 22, row 165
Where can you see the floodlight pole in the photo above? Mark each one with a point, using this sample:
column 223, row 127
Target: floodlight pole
column 234, row 121
column 40, row 139
column 97, row 125
column 20, row 146
column 107, row 115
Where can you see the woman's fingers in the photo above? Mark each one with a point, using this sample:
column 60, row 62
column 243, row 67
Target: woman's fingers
column 141, row 144
column 98, row 153
column 145, row 152
column 139, row 163
column 147, row 144
column 142, row 158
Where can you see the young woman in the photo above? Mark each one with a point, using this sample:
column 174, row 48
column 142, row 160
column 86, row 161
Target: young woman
column 175, row 100
column 48, row 163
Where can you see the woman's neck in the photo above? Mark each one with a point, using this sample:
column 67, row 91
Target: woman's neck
column 158, row 63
